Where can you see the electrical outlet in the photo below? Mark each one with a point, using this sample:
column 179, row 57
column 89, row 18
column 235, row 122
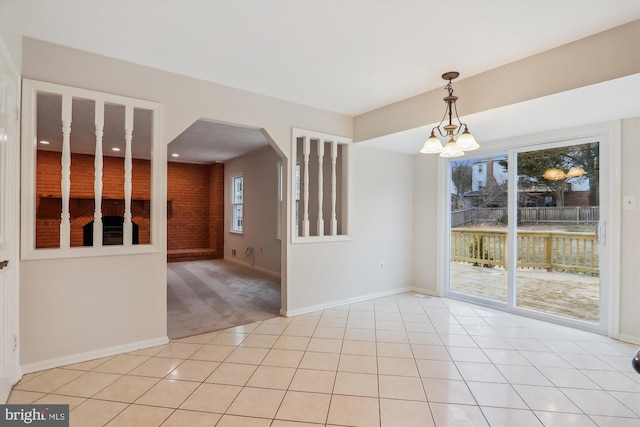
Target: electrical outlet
column 381, row 265
column 233, row 252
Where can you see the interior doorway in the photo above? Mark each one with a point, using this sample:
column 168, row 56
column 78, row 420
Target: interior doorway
column 220, row 274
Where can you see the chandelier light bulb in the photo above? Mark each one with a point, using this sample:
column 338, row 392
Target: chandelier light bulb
column 432, row 145
column 451, row 149
column 466, row 141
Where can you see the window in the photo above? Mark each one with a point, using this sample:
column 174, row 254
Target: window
column 236, row 203
column 320, row 191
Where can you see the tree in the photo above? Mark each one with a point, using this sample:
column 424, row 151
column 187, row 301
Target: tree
column 532, row 166
column 462, row 175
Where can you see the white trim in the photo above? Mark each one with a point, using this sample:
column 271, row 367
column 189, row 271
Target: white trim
column 13, row 213
column 83, row 252
column 320, row 239
column 333, row 304
column 613, row 155
column 443, row 220
column 345, row 187
column 609, row 134
column 629, row 338
column 95, row 354
column 28, row 148
column 233, row 202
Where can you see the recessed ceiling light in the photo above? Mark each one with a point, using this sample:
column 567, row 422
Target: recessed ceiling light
column 115, row 149
column 175, row 155
column 45, row 142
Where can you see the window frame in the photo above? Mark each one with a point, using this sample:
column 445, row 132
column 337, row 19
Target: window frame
column 28, row 176
column 235, row 203
column 344, row 184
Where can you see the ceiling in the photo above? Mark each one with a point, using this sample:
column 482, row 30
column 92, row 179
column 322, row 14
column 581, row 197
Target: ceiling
column 348, row 57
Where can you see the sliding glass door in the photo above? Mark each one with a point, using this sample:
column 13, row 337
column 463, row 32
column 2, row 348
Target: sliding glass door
column 524, row 230
column 478, row 234
column 558, row 213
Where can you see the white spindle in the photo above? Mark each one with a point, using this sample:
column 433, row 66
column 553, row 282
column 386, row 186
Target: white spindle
column 65, row 217
column 97, row 184
column 334, row 179
column 320, row 231
column 127, row 229
column 306, row 145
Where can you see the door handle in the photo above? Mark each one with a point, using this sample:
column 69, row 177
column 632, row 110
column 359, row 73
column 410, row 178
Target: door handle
column 601, row 233
column 4, row 263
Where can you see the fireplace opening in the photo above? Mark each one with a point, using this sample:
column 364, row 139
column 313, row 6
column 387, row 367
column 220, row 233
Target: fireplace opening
column 112, row 231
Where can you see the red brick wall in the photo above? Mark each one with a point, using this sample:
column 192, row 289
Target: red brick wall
column 195, row 194
column 187, row 191
column 196, row 216
column 81, row 205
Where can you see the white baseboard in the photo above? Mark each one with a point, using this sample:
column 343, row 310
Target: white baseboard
column 425, row 292
column 268, row 272
column 328, row 305
column 629, row 338
column 91, row 355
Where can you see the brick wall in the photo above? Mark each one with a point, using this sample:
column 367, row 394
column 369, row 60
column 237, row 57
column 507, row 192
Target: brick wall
column 196, row 211
column 195, row 195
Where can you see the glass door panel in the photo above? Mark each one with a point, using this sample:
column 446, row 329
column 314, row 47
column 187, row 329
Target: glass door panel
column 478, row 233
column 557, row 251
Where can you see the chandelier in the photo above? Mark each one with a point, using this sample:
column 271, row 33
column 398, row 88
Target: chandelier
column 465, row 141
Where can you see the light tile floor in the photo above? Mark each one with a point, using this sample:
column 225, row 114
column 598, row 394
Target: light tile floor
column 395, row 361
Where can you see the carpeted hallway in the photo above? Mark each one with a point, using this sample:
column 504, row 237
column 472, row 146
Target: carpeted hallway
column 205, row 296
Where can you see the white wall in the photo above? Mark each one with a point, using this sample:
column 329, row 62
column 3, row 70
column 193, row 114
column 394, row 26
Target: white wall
column 78, row 309
column 630, row 236
column 381, row 232
column 132, row 290
column 11, row 40
column 425, row 223
column 259, row 170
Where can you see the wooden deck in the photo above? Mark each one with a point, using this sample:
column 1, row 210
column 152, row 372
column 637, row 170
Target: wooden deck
column 566, row 294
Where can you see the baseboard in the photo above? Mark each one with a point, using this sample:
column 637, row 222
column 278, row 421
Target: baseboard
column 425, row 292
column 629, row 338
column 333, row 304
column 268, row 272
column 91, row 355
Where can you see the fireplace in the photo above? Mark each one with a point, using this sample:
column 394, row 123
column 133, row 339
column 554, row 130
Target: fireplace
column 112, row 231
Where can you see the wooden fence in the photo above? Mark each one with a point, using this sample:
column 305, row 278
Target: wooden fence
column 560, row 251
column 574, row 214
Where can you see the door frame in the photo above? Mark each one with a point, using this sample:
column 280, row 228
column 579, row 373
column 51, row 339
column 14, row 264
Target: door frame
column 12, row 203
column 609, row 136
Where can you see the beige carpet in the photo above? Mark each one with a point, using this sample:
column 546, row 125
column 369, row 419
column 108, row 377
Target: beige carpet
column 205, row 296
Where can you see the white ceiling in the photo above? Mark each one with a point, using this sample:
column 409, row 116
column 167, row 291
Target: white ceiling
column 348, row 57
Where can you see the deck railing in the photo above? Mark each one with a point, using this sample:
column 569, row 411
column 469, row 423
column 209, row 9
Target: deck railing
column 575, row 214
column 560, row 251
